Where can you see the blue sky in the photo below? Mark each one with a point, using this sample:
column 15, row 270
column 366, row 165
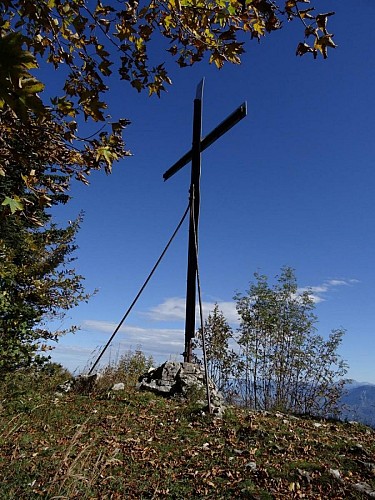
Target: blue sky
column 292, row 184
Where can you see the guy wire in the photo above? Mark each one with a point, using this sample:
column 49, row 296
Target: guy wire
column 201, row 308
column 141, row 290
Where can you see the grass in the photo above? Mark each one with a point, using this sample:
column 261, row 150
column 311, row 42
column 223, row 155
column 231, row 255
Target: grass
column 139, row 446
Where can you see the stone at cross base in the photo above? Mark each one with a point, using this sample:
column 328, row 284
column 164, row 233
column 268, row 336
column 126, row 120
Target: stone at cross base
column 179, row 379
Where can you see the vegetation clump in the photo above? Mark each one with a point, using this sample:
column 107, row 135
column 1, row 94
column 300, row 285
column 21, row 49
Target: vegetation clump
column 137, row 445
column 276, row 360
column 86, row 44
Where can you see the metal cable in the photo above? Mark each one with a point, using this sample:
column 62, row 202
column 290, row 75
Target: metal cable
column 200, row 307
column 141, row 290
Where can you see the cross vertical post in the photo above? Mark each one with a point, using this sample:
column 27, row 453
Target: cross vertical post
column 193, row 225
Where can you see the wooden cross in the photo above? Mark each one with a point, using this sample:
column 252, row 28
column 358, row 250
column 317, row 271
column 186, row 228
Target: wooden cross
column 194, row 155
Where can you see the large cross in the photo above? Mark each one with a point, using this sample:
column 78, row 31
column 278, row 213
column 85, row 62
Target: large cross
column 194, row 155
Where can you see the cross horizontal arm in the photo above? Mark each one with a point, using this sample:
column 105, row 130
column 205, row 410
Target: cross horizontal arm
column 217, row 132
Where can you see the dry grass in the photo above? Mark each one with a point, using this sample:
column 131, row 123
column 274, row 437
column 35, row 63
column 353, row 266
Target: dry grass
column 136, row 445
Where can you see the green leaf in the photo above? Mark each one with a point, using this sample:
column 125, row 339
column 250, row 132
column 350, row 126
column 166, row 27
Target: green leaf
column 31, row 85
column 105, row 153
column 14, row 203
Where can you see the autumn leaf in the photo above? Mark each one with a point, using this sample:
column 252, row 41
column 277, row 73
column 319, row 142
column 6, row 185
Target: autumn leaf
column 117, row 127
column 64, row 106
column 105, row 153
column 30, row 85
column 168, row 22
column 303, row 48
column 305, row 14
column 104, row 67
column 258, row 28
column 18, row 88
column 323, row 42
column 217, row 59
column 85, row 43
column 321, row 21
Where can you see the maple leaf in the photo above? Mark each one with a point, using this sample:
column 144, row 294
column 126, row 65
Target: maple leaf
column 303, row 48
column 217, row 59
column 323, row 42
column 258, row 28
column 18, row 88
column 321, row 21
column 105, row 153
column 305, row 14
column 14, row 203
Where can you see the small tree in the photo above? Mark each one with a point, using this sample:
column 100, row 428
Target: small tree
column 221, row 358
column 37, row 281
column 36, row 284
column 285, row 364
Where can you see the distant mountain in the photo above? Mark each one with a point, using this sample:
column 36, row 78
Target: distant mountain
column 359, row 403
column 354, row 383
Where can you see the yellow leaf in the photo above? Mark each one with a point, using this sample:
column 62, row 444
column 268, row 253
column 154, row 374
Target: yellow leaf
column 217, row 59
column 169, row 21
column 258, row 27
column 305, row 14
column 104, row 153
column 139, row 43
column 323, row 42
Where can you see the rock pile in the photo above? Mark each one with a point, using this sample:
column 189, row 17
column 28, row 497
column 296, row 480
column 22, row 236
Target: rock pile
column 180, row 379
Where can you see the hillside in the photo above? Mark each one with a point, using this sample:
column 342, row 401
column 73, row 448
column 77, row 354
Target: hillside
column 359, row 403
column 132, row 445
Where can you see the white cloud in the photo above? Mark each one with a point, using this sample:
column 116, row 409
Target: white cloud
column 73, row 357
column 173, row 309
column 99, row 326
column 337, row 282
column 317, row 292
column 227, row 308
column 134, row 335
column 317, row 289
column 169, row 310
column 71, row 350
column 313, row 293
column 161, row 343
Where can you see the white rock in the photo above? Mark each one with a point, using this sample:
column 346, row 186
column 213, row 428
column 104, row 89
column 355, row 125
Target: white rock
column 335, row 473
column 118, row 387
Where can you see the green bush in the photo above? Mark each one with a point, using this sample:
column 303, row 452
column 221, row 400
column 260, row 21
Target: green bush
column 127, row 369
